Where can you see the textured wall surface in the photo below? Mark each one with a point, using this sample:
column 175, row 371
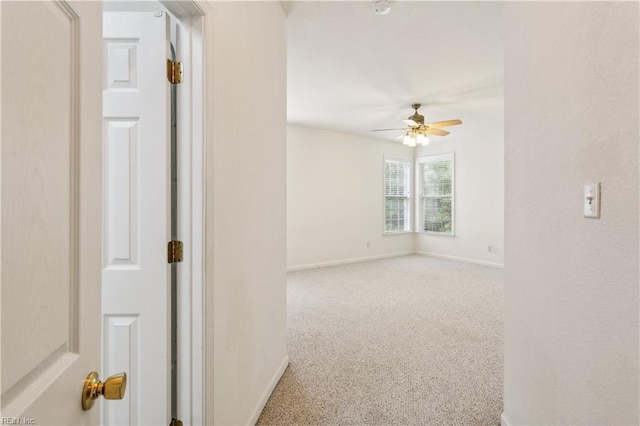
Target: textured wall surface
column 571, row 283
column 246, row 209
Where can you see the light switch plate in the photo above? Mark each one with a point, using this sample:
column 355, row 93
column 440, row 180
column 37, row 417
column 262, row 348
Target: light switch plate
column 591, row 200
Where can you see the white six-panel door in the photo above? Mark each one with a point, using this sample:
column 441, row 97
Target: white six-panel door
column 136, row 283
column 51, row 209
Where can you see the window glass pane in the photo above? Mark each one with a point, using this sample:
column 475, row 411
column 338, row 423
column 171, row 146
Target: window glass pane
column 396, row 188
column 436, row 195
column 437, row 214
column 437, row 178
column 395, row 178
column 396, row 210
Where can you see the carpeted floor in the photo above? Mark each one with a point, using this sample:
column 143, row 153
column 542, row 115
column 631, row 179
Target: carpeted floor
column 403, row 341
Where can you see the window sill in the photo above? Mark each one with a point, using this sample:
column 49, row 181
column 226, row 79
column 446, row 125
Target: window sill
column 436, row 234
column 384, row 234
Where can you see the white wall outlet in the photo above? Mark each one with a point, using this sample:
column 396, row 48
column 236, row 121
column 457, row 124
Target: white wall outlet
column 591, row 200
column 368, row 244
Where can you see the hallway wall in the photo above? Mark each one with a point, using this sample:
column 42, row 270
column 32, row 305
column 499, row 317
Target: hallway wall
column 571, row 283
column 245, row 209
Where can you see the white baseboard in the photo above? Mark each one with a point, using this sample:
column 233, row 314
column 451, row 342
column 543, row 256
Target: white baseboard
column 460, row 259
column 504, row 421
column 346, row 261
column 268, row 391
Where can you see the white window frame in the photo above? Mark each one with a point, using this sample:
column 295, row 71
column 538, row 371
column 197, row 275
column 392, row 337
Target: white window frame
column 409, row 195
column 419, row 226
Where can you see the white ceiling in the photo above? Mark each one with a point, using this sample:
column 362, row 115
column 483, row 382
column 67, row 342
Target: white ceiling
column 351, row 71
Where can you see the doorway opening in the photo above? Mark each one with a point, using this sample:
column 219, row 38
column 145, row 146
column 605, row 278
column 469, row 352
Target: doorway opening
column 153, row 193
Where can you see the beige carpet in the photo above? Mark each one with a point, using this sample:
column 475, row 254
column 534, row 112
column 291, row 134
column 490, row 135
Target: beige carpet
column 403, row 341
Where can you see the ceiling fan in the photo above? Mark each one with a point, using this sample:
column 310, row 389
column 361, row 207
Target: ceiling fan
column 418, row 132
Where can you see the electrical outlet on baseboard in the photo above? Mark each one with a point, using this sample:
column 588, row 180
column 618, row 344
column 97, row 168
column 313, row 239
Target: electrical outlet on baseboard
column 368, row 244
column 492, row 249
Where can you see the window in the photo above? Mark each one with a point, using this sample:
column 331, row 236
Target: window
column 435, row 194
column 397, row 183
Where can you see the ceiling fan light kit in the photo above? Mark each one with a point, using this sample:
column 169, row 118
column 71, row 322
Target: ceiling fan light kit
column 381, row 7
column 418, row 132
column 412, row 138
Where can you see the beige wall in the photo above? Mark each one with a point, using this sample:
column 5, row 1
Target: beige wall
column 335, row 201
column 245, row 208
column 571, row 283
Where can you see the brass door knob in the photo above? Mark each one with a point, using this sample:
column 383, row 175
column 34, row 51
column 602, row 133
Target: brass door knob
column 112, row 388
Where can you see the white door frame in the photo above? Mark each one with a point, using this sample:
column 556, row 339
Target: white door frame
column 191, row 196
column 191, row 218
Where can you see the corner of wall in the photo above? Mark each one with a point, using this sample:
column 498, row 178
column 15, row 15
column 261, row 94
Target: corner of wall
column 504, row 421
column 271, row 385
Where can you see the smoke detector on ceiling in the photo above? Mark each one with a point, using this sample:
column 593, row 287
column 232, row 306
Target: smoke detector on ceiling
column 381, row 7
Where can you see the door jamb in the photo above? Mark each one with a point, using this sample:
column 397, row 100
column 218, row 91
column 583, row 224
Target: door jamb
column 191, row 220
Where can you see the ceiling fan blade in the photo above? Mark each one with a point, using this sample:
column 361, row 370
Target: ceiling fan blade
column 434, row 131
column 411, row 123
column 384, row 130
column 445, row 123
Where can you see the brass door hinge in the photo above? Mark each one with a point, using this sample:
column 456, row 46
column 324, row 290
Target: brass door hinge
column 175, row 422
column 174, row 71
column 174, row 251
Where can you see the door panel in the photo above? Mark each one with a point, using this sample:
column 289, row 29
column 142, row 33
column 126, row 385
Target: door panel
column 136, row 228
column 51, row 195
